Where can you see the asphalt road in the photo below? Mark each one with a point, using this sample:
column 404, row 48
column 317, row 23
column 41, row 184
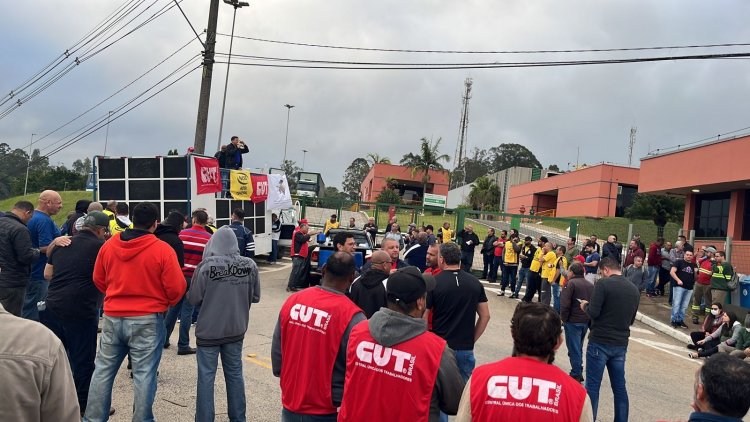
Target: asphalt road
column 659, row 373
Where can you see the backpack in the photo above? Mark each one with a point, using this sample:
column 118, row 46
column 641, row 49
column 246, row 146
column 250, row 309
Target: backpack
column 734, row 282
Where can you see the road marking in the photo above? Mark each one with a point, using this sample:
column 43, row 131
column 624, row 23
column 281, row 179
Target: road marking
column 642, row 330
column 259, row 362
column 666, row 349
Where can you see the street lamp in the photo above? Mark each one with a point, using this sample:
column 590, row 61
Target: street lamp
column 28, row 164
column 106, row 137
column 304, row 155
column 236, row 4
column 289, row 108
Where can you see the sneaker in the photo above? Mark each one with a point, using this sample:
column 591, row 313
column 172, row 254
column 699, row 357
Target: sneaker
column 578, row 378
column 674, row 324
column 683, row 325
column 501, row 293
column 691, row 346
column 695, row 320
column 514, row 296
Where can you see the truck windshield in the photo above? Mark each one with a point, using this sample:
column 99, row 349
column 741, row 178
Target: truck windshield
column 306, row 186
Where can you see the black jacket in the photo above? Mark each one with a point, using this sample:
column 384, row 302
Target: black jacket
column 417, row 256
column 368, row 292
column 465, row 237
column 613, row 250
column 16, row 252
column 232, row 159
column 171, row 235
column 487, row 247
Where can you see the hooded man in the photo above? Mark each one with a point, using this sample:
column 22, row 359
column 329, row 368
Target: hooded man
column 368, row 290
column 428, row 369
column 224, row 285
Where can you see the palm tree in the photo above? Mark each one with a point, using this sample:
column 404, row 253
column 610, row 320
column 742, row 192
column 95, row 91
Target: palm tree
column 377, row 159
column 484, row 193
column 428, row 159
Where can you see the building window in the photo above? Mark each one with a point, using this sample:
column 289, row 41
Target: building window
column 746, row 217
column 712, row 214
column 625, row 197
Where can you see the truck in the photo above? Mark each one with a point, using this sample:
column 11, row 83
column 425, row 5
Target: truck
column 310, row 184
column 169, row 182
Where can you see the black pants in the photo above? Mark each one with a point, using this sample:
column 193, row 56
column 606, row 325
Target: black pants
column 664, row 278
column 79, row 339
column 487, row 260
column 298, row 276
column 467, row 259
column 533, row 281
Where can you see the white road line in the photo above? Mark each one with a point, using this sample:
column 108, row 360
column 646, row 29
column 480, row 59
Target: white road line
column 665, row 348
column 642, row 330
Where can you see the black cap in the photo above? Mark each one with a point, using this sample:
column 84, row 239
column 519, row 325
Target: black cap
column 407, row 285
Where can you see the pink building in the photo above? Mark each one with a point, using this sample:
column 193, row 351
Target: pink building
column 408, row 186
column 603, row 190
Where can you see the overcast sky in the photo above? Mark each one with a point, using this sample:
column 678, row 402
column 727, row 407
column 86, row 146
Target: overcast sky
column 343, row 114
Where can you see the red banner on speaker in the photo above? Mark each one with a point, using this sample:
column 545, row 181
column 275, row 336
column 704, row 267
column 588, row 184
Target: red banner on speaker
column 207, row 175
column 260, row 187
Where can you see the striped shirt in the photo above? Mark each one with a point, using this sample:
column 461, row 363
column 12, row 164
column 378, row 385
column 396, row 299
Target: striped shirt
column 194, row 239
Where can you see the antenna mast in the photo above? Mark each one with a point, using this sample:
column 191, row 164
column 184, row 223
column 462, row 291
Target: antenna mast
column 633, row 130
column 460, row 156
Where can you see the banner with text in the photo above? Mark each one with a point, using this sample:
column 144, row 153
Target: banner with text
column 207, row 175
column 260, row 187
column 239, row 185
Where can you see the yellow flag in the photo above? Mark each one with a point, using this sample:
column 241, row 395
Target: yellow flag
column 239, row 184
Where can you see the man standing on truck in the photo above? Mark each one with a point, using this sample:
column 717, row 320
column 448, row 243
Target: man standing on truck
column 233, row 154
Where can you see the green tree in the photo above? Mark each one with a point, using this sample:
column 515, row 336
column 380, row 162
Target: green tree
column 553, row 167
column 82, row 167
column 373, row 159
column 505, row 156
column 428, row 159
column 484, row 194
column 290, row 169
column 661, row 209
column 388, row 196
column 478, row 164
column 353, row 177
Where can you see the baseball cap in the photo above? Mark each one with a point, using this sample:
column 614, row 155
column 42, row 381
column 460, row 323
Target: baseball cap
column 407, row 285
column 302, row 221
column 710, row 249
column 96, row 219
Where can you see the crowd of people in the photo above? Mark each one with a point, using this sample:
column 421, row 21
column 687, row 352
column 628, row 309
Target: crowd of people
column 390, row 340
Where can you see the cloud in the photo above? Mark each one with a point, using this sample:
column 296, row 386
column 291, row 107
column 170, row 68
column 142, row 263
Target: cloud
column 343, row 114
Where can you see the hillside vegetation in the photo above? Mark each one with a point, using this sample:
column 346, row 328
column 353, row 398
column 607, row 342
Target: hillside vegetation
column 69, row 200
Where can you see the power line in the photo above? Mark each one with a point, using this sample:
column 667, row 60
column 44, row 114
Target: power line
column 103, row 123
column 397, row 50
column 189, row 23
column 328, row 64
column 117, row 92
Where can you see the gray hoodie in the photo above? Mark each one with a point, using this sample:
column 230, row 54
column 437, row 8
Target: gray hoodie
column 224, row 285
column 390, row 328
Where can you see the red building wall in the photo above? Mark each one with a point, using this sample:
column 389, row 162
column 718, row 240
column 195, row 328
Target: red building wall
column 375, row 181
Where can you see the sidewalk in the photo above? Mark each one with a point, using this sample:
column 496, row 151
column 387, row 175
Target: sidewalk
column 656, row 313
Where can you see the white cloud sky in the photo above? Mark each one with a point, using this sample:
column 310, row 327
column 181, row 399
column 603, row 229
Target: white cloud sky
column 343, row 114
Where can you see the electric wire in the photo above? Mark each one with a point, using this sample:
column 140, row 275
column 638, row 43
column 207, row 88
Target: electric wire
column 92, row 130
column 189, row 23
column 348, row 65
column 396, row 50
column 141, row 76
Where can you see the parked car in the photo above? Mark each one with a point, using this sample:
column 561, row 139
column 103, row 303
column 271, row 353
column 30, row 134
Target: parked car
column 321, row 252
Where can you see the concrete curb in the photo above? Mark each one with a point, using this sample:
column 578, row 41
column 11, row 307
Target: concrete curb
column 663, row 328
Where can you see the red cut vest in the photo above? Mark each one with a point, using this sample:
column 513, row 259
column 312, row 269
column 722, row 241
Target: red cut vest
column 524, row 389
column 312, row 323
column 389, row 383
column 304, row 249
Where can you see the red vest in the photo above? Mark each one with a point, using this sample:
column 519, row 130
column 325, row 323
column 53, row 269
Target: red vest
column 389, row 383
column 303, row 250
column 312, row 322
column 524, row 389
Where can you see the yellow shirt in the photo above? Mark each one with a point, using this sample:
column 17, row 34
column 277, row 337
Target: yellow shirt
column 116, row 226
column 447, row 235
column 330, row 226
column 548, row 266
column 510, row 255
column 535, row 264
column 553, row 274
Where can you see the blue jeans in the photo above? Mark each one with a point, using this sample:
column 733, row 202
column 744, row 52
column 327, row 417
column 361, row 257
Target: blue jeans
column 466, row 362
column 184, row 310
column 523, row 273
column 680, row 302
column 231, row 363
column 288, row 416
column 35, row 292
column 143, row 338
column 653, row 271
column 599, row 356
column 575, row 333
column 509, row 277
column 556, row 296
column 496, row 261
column 467, row 259
column 274, row 251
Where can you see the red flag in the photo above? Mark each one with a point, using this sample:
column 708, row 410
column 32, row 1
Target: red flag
column 207, row 175
column 260, row 187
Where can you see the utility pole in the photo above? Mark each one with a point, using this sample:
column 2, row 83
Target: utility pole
column 208, row 69
column 633, row 130
column 106, row 137
column 289, row 108
column 236, row 4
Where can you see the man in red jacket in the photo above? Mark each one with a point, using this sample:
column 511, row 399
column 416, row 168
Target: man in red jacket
column 526, row 387
column 140, row 278
column 654, row 264
column 308, row 350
